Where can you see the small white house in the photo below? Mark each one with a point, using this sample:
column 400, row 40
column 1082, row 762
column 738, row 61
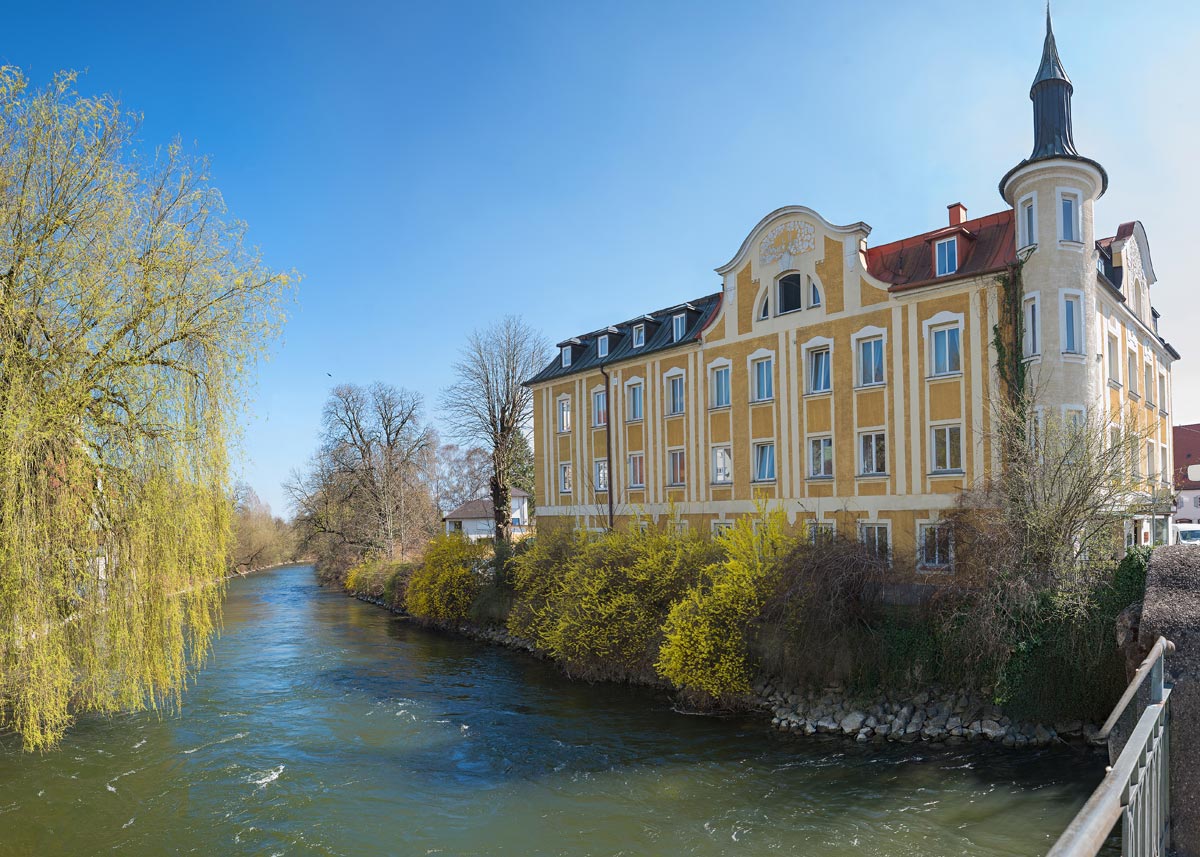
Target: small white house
column 475, row 519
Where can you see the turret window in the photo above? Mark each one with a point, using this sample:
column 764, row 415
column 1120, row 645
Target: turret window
column 1068, row 223
column 1072, row 326
column 1031, row 345
column 947, row 256
column 1027, row 224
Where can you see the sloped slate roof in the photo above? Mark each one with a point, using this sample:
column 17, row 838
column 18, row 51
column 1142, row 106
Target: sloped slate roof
column 620, row 338
column 480, row 507
column 990, row 246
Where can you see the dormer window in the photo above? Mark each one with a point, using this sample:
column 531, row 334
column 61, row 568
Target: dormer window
column 678, row 326
column 1100, row 265
column 947, row 256
column 602, row 345
column 791, row 293
column 639, row 335
column 566, row 356
column 814, row 293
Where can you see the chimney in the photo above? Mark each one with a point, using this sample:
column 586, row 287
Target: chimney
column 958, row 213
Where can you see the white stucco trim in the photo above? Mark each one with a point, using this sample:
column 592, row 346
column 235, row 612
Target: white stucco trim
column 859, row 229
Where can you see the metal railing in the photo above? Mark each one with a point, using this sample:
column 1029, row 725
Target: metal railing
column 1136, row 789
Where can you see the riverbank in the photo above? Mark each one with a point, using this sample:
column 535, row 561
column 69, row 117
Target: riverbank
column 930, row 716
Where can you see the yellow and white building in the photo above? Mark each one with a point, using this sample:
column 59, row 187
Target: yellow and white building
column 851, row 384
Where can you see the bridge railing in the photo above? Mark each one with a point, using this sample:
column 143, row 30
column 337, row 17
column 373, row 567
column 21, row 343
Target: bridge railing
column 1135, row 791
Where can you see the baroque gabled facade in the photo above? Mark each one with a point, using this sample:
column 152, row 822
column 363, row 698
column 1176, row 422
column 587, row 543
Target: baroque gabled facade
column 850, row 384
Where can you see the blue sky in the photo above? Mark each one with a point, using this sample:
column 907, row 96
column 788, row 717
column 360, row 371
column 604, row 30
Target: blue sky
column 429, row 167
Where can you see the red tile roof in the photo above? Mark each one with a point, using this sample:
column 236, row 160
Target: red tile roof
column 1187, row 451
column 990, row 245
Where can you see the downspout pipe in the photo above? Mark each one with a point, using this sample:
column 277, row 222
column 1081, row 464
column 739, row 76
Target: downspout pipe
column 612, row 471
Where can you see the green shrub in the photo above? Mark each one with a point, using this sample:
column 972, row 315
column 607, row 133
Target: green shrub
column 448, row 580
column 706, row 652
column 367, row 578
column 395, row 585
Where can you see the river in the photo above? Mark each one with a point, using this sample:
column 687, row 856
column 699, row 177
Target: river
column 322, row 725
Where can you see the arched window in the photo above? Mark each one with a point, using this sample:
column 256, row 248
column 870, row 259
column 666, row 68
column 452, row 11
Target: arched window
column 814, row 293
column 765, row 312
column 791, row 293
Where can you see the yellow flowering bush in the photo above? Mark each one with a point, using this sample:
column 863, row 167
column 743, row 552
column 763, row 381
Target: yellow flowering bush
column 448, row 580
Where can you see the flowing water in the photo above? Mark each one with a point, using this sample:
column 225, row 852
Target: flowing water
column 322, row 725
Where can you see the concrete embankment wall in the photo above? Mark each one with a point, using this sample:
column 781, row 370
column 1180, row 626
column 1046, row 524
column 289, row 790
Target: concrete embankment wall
column 1172, row 609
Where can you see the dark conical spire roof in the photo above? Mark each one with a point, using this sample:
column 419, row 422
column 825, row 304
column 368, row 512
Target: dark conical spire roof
column 1051, row 95
column 1051, row 67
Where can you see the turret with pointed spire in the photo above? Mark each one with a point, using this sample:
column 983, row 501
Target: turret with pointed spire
column 1051, row 96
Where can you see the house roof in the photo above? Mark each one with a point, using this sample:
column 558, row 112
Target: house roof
column 1187, row 451
column 480, row 507
column 990, row 246
column 659, row 337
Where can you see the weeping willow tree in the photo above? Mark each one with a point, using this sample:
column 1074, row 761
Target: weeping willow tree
column 130, row 314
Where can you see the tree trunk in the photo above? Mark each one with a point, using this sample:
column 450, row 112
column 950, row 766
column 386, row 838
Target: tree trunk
column 502, row 510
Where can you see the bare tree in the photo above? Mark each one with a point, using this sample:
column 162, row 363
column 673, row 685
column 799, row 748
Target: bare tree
column 460, row 474
column 490, row 405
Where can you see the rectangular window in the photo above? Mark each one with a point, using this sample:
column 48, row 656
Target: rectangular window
column 639, row 335
column 1149, row 369
column 564, row 478
column 566, row 356
column 1072, row 325
column 720, row 391
column 678, row 327
column 870, row 361
column 564, row 415
column 764, row 387
column 675, row 401
column 820, row 457
column 821, row 532
column 1114, row 359
column 876, row 539
column 1162, row 391
column 947, row 256
column 872, row 453
column 719, row 528
column 637, row 470
column 1135, row 459
column 1030, row 346
column 722, row 465
column 934, row 546
column 1029, row 235
column 764, row 462
column 600, row 408
column 1070, row 231
column 633, row 396
column 1151, row 461
column 602, row 346
column 600, row 473
column 818, row 370
column 676, row 474
column 947, row 359
column 1164, row 468
column 947, row 449
column 1132, row 373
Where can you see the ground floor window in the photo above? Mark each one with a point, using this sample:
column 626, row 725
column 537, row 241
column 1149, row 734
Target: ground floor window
column 821, row 532
column 935, row 549
column 876, row 539
column 719, row 527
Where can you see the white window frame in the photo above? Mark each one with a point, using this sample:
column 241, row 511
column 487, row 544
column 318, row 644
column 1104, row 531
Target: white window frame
column 714, row 368
column 814, row 290
column 565, row 356
column 760, row 394
column 639, row 335
column 720, row 526
column 1162, row 391
column 599, row 466
column 671, row 455
column 1065, row 296
column 951, row 256
column 639, row 483
column 678, row 326
column 934, row 469
column 886, row 526
column 817, row 343
column 669, row 380
column 819, row 530
column 1112, row 348
column 565, row 478
column 1031, row 313
column 563, row 414
column 861, row 339
column 881, row 466
column 629, row 387
column 598, row 394
column 939, row 567
column 1148, row 377
column 1025, row 236
column 1151, row 461
column 755, row 478
column 942, row 321
column 1131, row 370
column 602, row 345
column 1076, row 198
column 751, row 373
column 723, row 450
column 812, row 459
